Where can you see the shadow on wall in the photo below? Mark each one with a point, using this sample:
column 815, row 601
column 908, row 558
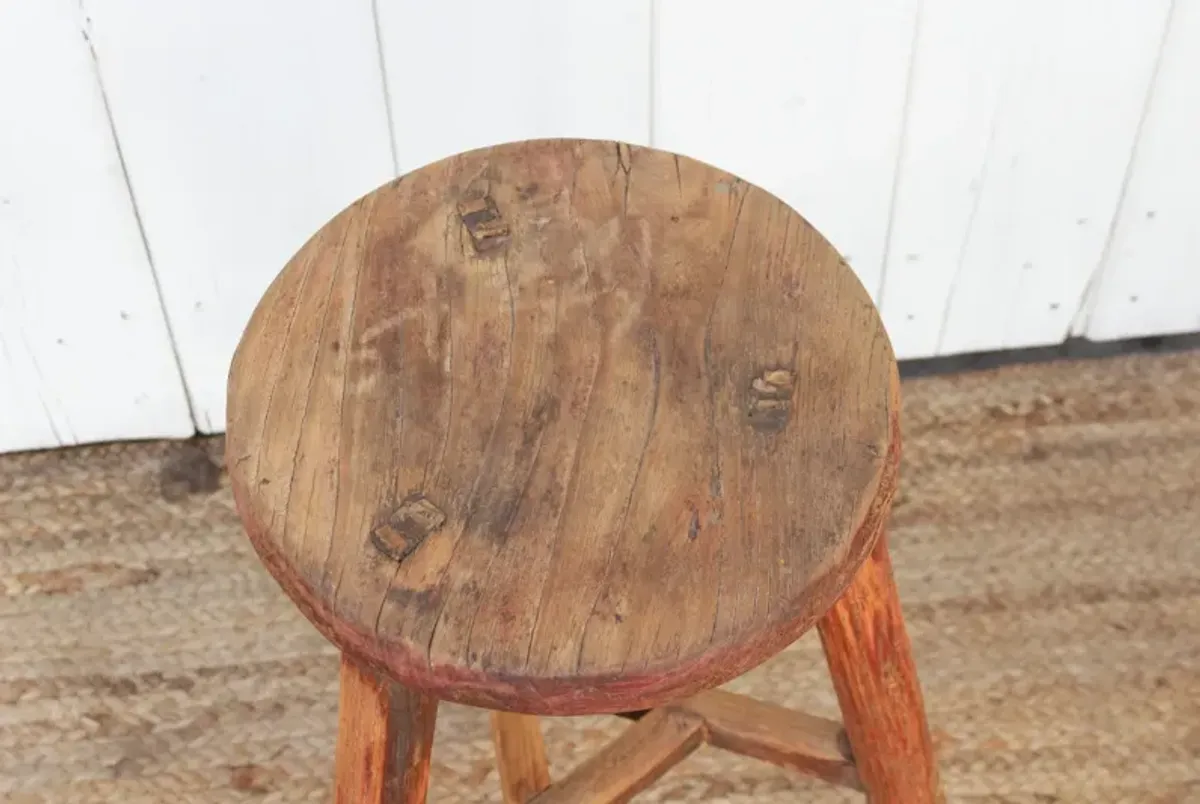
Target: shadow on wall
column 1072, row 349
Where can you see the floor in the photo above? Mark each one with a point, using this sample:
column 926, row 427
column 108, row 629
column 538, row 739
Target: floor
column 1047, row 549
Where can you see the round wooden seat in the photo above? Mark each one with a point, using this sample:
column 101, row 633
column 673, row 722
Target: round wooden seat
column 564, row 427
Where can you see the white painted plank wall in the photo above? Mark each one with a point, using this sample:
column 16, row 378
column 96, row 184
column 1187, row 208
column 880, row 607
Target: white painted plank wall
column 468, row 74
column 245, row 125
column 84, row 349
column 968, row 158
column 803, row 98
column 1014, row 153
column 964, row 54
column 1018, row 138
column 1150, row 284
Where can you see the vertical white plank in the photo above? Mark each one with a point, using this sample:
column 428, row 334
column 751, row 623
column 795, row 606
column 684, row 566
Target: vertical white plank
column 1021, row 127
column 805, row 99
column 1055, row 173
column 963, row 56
column 245, row 126
column 84, row 350
column 1151, row 280
column 469, row 74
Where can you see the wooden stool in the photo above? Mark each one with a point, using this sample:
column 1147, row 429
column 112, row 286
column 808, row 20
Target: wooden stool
column 568, row 427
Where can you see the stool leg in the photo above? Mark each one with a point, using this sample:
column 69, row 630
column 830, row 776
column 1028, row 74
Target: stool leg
column 385, row 733
column 520, row 755
column 870, row 659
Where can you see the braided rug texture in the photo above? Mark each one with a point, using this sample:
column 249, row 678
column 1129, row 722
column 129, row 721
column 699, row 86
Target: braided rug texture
column 1046, row 543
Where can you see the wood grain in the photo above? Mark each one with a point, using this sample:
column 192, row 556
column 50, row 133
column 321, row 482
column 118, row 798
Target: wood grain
column 385, row 734
column 564, row 426
column 631, row 762
column 806, row 743
column 870, row 660
column 520, row 756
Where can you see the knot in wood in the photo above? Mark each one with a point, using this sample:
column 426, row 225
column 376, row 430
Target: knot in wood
column 401, row 530
column 770, row 395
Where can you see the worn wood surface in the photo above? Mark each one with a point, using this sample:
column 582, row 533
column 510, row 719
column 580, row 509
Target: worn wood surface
column 564, row 426
column 385, row 734
column 870, row 659
column 806, row 743
column 520, row 756
column 630, row 763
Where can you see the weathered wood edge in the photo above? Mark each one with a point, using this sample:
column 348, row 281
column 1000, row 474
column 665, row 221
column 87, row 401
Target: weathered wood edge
column 652, row 687
column 632, row 762
column 384, row 739
column 814, row 746
column 520, row 756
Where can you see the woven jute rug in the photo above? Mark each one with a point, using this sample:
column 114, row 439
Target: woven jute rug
column 1047, row 549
